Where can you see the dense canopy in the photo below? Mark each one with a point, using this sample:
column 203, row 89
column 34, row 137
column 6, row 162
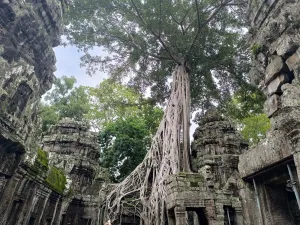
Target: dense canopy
column 145, row 39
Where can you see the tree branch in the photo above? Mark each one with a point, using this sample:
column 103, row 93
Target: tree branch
column 158, row 37
column 201, row 25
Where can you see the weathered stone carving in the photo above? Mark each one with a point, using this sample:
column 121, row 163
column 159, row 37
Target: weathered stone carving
column 74, row 149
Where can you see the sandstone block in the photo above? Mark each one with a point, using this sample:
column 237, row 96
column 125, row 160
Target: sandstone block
column 293, row 62
column 274, row 86
column 273, row 69
column 286, row 45
column 272, row 105
column 290, row 96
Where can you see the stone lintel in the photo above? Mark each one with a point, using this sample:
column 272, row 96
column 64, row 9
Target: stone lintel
column 275, row 148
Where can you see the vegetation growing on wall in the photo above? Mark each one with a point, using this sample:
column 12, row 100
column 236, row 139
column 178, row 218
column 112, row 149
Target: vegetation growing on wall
column 41, row 161
column 255, row 49
column 53, row 176
column 56, row 179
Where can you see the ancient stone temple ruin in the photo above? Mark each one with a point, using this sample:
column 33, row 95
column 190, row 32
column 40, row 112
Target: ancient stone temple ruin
column 56, row 183
column 271, row 170
column 212, row 191
column 56, row 179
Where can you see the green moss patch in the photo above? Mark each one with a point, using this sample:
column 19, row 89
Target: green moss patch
column 52, row 176
column 56, row 179
column 256, row 48
column 41, row 163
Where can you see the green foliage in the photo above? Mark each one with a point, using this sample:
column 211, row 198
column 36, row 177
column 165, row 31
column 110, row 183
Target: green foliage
column 124, row 144
column 127, row 121
column 111, row 101
column 254, row 128
column 64, row 100
column 244, row 103
column 56, row 180
column 145, row 39
column 246, row 110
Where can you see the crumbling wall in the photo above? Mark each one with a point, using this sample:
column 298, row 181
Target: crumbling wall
column 74, row 149
column 28, row 32
column 274, row 39
column 33, row 187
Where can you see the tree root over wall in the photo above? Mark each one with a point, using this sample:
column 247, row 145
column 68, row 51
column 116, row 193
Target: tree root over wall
column 143, row 191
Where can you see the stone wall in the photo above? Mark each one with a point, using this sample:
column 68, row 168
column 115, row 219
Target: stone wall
column 57, row 184
column 28, row 32
column 274, row 39
column 63, row 184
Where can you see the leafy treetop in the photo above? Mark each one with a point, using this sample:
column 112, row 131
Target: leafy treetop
column 146, row 38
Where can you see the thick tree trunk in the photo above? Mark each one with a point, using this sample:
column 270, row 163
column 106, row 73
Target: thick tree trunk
column 186, row 111
column 143, row 191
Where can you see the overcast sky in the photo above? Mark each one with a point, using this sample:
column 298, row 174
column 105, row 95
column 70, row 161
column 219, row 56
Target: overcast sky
column 68, row 63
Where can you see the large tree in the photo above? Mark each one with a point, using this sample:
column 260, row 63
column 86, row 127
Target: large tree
column 199, row 41
column 146, row 39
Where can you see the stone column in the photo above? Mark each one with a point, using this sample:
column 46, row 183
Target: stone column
column 57, row 208
column 239, row 216
column 210, row 212
column 180, row 215
column 297, row 163
column 44, row 193
column 8, row 197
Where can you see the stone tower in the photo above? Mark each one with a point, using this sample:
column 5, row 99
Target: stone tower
column 211, row 194
column 73, row 148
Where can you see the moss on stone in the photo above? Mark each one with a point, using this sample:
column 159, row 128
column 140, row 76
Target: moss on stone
column 41, row 163
column 52, row 176
column 255, row 49
column 56, row 179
